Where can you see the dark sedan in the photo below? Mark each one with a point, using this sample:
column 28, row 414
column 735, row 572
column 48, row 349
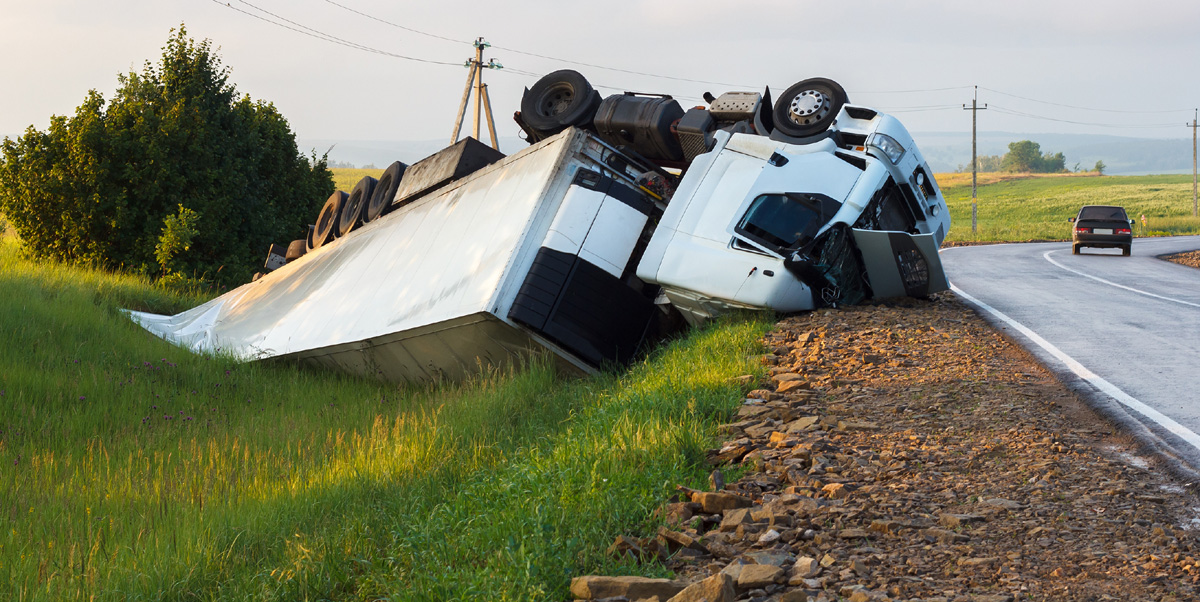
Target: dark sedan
column 1102, row 226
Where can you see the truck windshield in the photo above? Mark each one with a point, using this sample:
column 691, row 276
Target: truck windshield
column 783, row 221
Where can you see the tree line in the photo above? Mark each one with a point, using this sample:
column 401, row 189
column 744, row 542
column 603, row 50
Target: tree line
column 1026, row 156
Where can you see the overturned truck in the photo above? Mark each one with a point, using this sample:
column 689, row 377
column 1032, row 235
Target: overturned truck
column 625, row 216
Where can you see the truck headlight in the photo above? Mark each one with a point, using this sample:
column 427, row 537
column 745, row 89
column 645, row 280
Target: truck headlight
column 888, row 145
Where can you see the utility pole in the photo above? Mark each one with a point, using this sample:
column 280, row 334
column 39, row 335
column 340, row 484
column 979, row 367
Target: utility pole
column 974, row 109
column 1193, row 126
column 482, row 100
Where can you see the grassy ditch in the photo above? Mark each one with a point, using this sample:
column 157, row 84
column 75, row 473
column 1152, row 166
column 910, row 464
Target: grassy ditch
column 132, row 470
column 1037, row 207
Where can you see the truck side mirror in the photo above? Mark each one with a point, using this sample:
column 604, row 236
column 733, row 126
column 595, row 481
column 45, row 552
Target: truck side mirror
column 1071, row 219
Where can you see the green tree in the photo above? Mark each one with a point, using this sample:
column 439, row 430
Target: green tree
column 1023, row 156
column 103, row 185
column 1100, row 167
column 1026, row 156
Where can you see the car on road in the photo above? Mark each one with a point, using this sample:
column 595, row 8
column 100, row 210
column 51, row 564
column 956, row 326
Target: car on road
column 1102, row 226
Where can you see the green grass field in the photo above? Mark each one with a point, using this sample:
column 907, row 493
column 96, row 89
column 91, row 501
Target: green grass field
column 133, row 470
column 1037, row 208
column 345, row 178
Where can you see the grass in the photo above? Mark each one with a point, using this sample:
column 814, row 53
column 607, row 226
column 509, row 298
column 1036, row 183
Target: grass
column 1017, row 208
column 133, row 470
column 344, row 178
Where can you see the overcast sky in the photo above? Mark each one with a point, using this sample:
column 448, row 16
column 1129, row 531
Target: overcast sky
column 1119, row 64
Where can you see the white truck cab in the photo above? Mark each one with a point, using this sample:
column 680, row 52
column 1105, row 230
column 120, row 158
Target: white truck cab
column 751, row 214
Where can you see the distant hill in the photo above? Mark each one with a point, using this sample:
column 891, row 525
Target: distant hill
column 946, row 151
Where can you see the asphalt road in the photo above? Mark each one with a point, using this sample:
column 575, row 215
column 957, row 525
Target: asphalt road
column 1123, row 330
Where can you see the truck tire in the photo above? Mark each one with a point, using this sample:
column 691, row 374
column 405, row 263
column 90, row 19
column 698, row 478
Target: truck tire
column 560, row 99
column 296, row 249
column 808, row 107
column 352, row 210
column 380, row 202
column 326, row 229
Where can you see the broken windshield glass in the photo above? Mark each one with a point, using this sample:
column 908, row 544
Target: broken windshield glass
column 786, row 221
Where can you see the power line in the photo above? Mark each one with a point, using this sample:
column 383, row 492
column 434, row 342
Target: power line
column 1058, row 104
column 398, row 26
column 313, row 33
column 1088, row 123
column 541, row 56
column 919, row 109
column 914, row 91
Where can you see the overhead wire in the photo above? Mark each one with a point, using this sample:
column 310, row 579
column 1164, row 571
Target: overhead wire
column 313, row 33
column 1058, row 104
column 1006, row 111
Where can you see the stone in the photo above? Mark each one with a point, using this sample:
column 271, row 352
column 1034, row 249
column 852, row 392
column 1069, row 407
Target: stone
column 751, row 411
column 771, row 557
column 786, row 376
column 997, row 502
column 717, row 480
column 792, row 385
column 835, row 491
column 944, row 536
column 795, row 595
column 734, row 519
column 722, row 550
column 592, row 587
column 801, row 424
column 718, row 588
column 866, row 595
column 625, row 546
column 951, row 521
column 758, row 575
column 854, row 534
column 883, row 526
column 717, row 502
column 977, row 561
column 676, row 513
column 674, row 540
column 770, row 537
column 734, row 569
column 991, row 598
column 806, row 567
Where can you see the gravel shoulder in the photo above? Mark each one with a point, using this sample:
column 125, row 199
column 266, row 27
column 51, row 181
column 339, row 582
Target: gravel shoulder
column 908, row 451
column 1189, row 258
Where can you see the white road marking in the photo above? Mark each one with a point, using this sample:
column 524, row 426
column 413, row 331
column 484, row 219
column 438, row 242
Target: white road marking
column 1091, row 377
column 1046, row 255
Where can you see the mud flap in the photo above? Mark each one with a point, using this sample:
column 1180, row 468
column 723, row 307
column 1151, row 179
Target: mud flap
column 900, row 264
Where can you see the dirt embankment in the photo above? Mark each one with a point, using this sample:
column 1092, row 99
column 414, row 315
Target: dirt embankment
column 910, row 452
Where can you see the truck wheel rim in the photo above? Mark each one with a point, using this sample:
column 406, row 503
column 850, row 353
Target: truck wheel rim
column 808, row 106
column 556, row 100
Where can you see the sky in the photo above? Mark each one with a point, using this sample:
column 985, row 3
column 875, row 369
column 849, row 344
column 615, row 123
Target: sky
column 1067, row 66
